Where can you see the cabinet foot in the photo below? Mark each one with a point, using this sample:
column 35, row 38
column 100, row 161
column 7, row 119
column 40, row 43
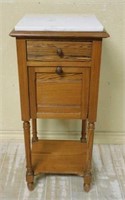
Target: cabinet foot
column 86, row 187
column 87, row 181
column 30, row 179
column 30, row 186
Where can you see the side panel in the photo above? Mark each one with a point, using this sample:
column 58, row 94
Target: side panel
column 94, row 80
column 23, row 79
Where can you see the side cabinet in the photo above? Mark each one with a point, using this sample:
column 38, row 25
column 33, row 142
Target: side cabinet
column 59, row 78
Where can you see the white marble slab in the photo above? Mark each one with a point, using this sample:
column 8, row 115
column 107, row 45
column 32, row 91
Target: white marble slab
column 59, row 22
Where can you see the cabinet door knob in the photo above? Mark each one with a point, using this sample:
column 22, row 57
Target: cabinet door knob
column 59, row 70
column 59, row 52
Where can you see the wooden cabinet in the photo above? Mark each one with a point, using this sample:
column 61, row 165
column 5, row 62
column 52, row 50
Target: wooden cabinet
column 59, row 78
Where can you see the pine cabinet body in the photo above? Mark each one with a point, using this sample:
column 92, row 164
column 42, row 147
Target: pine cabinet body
column 59, row 78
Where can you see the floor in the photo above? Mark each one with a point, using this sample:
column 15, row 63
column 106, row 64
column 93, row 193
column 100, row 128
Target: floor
column 108, row 176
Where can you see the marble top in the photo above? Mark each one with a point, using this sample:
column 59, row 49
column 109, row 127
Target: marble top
column 59, row 22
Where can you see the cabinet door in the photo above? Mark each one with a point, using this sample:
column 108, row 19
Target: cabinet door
column 59, row 92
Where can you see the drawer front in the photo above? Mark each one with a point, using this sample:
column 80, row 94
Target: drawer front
column 62, row 95
column 58, row 50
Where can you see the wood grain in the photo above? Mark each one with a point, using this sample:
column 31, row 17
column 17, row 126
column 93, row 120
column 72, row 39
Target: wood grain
column 48, row 50
column 85, row 92
column 59, row 156
column 23, row 79
column 94, row 81
column 32, row 93
column 55, row 96
column 57, row 34
column 86, row 63
column 55, row 92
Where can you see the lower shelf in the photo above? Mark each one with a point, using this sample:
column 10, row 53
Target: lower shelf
column 59, row 156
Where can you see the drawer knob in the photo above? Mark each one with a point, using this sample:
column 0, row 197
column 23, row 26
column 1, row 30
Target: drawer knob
column 60, row 52
column 59, row 70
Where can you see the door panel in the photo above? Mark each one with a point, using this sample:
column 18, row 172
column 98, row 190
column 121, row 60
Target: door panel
column 62, row 95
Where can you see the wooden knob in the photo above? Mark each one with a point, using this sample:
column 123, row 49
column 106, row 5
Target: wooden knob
column 59, row 70
column 59, row 52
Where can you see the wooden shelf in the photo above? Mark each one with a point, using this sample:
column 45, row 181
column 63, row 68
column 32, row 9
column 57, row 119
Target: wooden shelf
column 59, row 156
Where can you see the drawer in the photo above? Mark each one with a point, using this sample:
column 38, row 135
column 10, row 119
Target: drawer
column 59, row 95
column 38, row 50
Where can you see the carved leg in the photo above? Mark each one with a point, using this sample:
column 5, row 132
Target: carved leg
column 83, row 133
column 34, row 130
column 88, row 175
column 29, row 173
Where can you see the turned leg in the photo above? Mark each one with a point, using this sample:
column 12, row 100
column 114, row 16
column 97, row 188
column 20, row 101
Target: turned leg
column 88, row 175
column 34, row 130
column 83, row 132
column 29, row 172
